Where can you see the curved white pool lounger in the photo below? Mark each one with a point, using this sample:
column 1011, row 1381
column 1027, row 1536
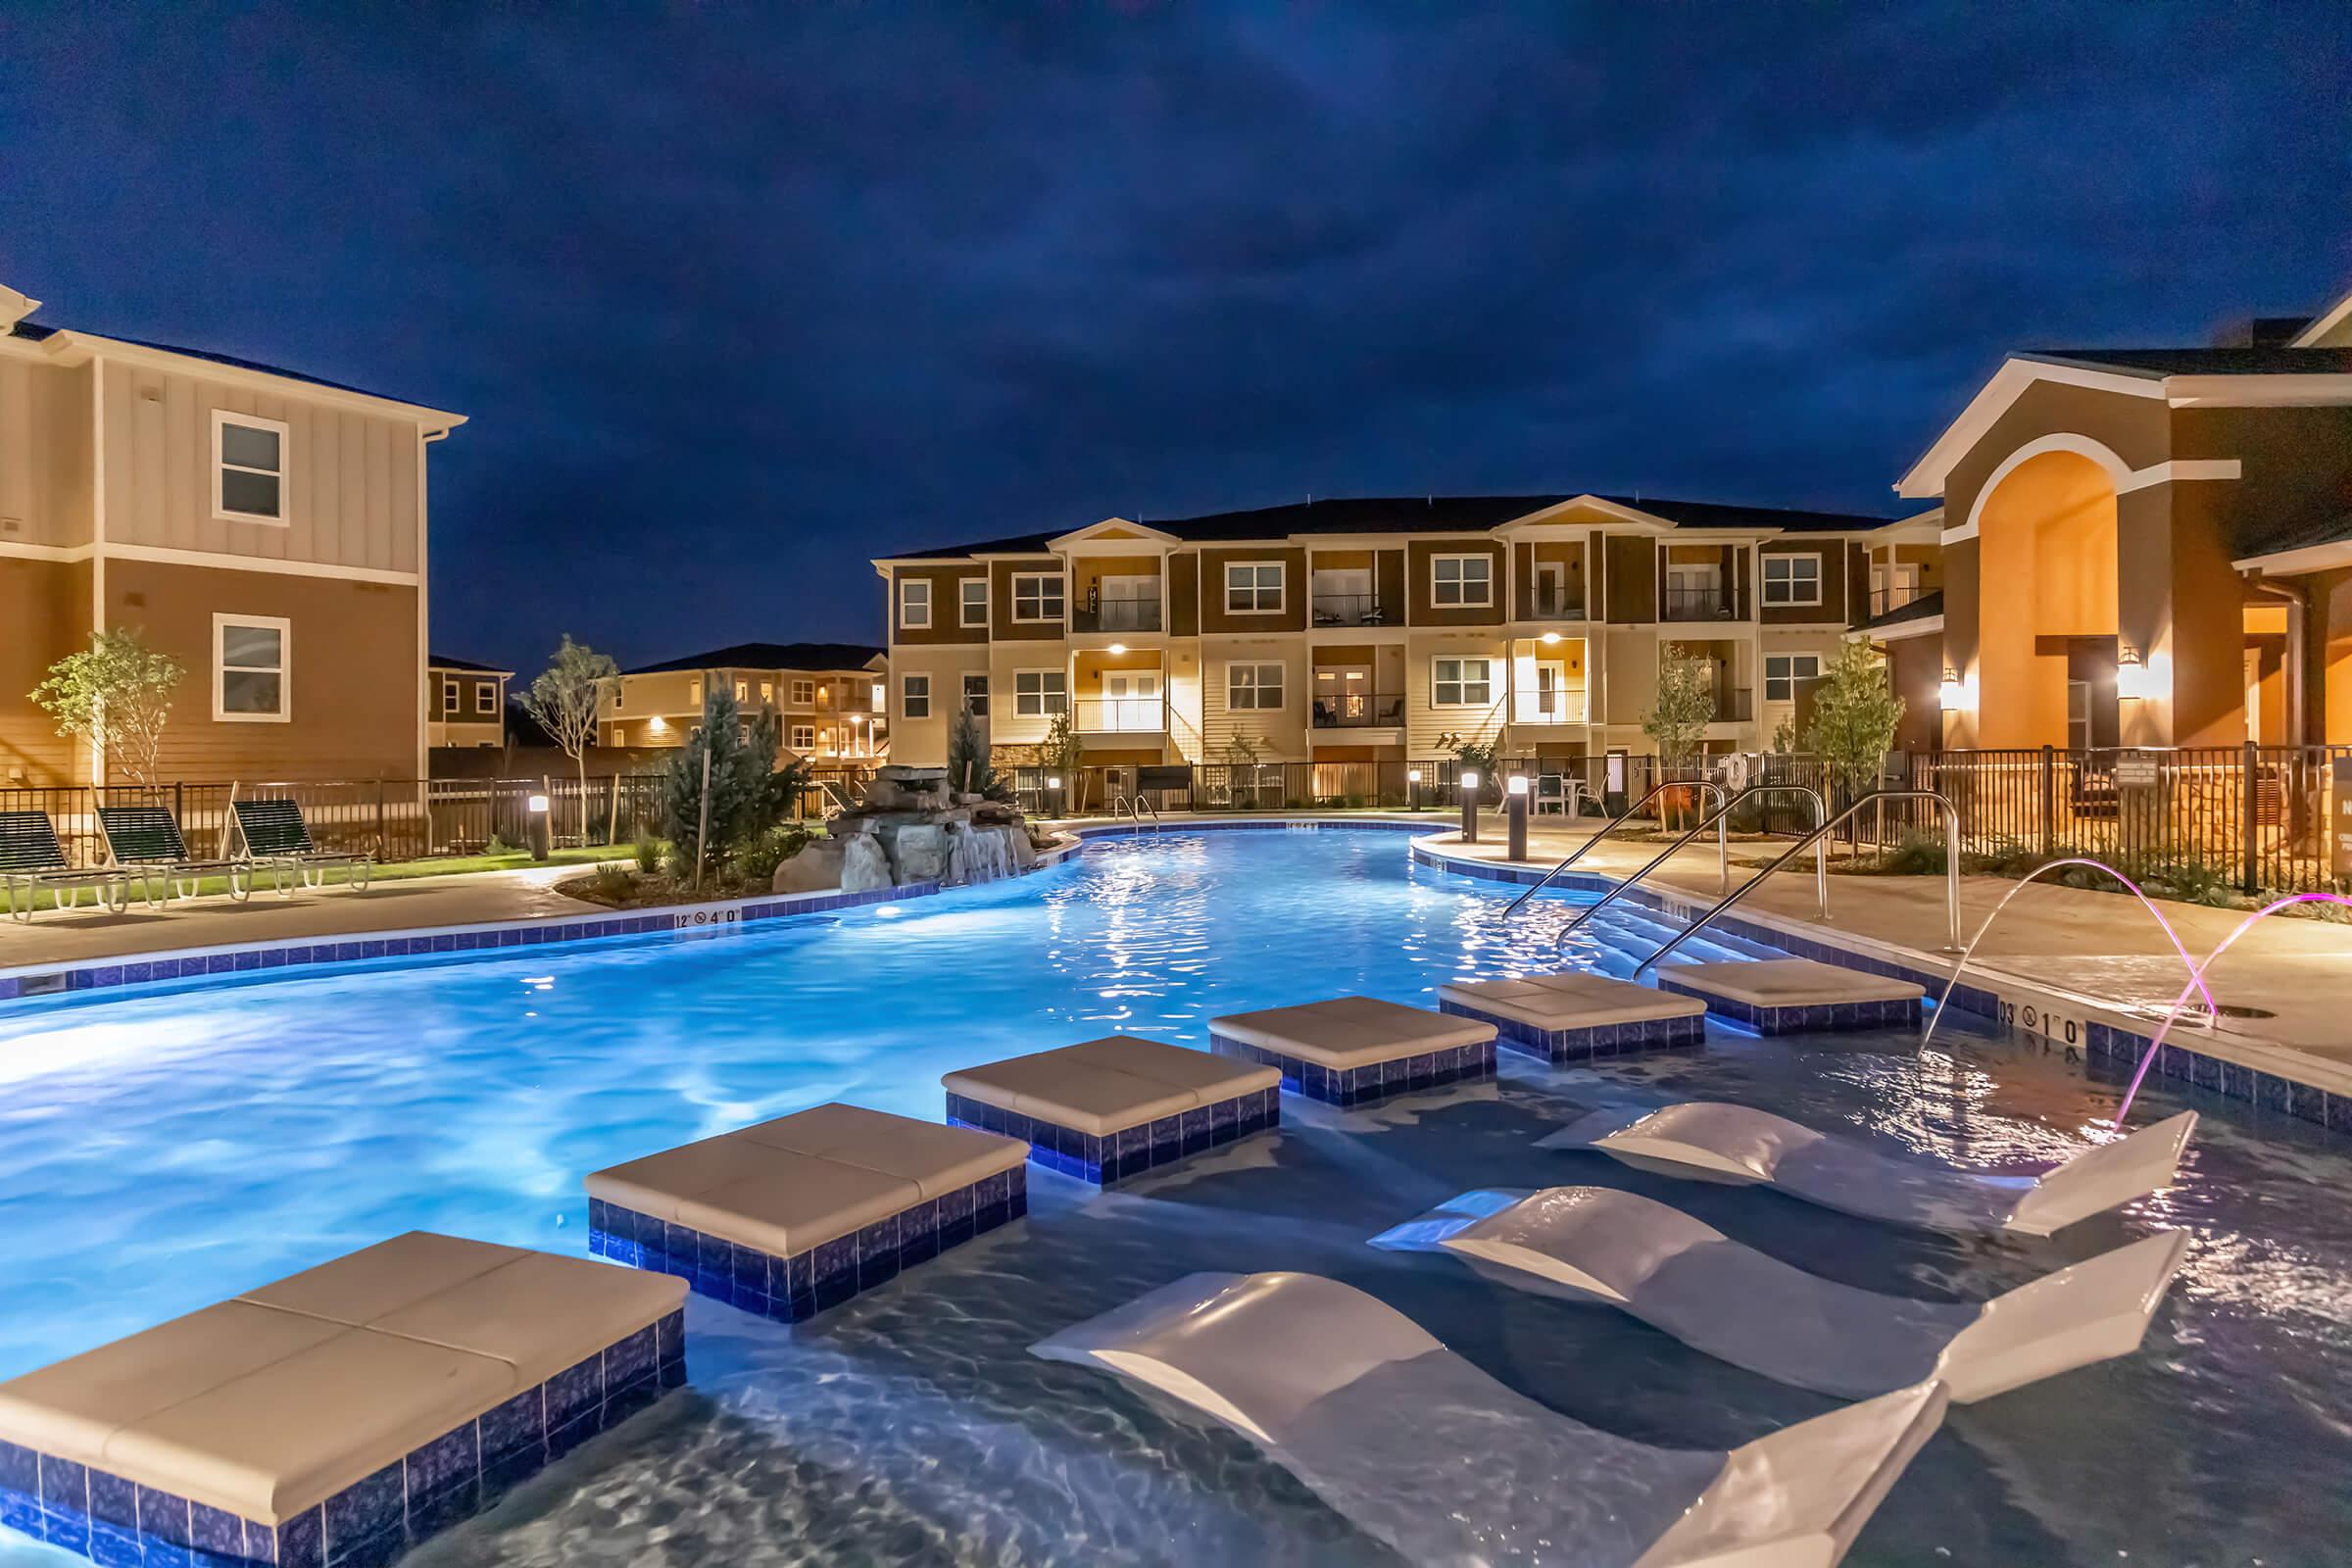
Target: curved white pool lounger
column 1420, row 1449
column 1679, row 1274
column 1708, row 1140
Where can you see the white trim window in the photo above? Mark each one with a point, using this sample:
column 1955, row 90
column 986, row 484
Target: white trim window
column 914, row 605
column 768, row 694
column 804, row 693
column 1037, row 597
column 915, row 696
column 975, row 696
column 1253, row 587
column 1461, row 582
column 249, row 467
column 449, row 694
column 694, row 692
column 1036, row 693
column 804, row 737
column 1252, row 686
column 743, row 691
column 486, row 698
column 253, row 664
column 973, row 604
column 1792, row 580
column 1461, row 682
column 1782, row 673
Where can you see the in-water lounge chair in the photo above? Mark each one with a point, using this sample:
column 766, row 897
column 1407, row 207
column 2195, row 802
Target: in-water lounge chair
column 1421, row 1449
column 33, row 862
column 272, row 833
column 146, row 839
column 1616, row 1249
column 1709, row 1141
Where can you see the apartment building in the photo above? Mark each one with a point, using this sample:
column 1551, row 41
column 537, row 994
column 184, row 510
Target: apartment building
column 264, row 528
column 1383, row 630
column 466, row 703
column 2146, row 546
column 828, row 696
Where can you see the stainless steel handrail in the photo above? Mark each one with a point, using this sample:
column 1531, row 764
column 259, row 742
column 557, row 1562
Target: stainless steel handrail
column 1821, row 859
column 1952, row 870
column 1723, row 840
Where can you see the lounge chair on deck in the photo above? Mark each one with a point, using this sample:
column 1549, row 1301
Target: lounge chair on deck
column 32, row 860
column 272, row 833
column 1600, row 1245
column 1421, row 1449
column 146, row 839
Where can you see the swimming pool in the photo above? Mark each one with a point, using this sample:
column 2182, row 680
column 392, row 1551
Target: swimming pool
column 159, row 1152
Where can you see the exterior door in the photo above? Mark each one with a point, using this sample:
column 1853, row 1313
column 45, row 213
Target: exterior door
column 1344, row 695
column 1132, row 699
column 1551, row 589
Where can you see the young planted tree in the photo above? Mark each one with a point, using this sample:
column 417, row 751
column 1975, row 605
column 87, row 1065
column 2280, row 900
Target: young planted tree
column 1063, row 753
column 747, row 793
column 1677, row 722
column 1855, row 710
column 562, row 700
column 117, row 693
column 970, row 768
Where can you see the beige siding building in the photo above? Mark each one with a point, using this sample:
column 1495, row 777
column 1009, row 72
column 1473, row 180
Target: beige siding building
column 266, row 529
column 828, row 697
column 1382, row 630
column 465, row 702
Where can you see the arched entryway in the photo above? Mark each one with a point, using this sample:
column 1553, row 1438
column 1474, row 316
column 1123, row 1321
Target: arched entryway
column 2047, row 626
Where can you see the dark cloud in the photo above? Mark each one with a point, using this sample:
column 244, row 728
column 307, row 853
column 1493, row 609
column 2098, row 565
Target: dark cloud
column 738, row 300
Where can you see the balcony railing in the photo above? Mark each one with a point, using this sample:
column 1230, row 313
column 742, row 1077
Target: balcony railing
column 1554, row 604
column 1734, row 705
column 1349, row 609
column 1697, row 603
column 1358, row 711
column 1564, row 705
column 1881, row 600
column 1138, row 716
column 1127, row 612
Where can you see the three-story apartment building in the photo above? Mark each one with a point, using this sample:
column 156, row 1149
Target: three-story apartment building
column 465, row 702
column 828, row 696
column 1381, row 630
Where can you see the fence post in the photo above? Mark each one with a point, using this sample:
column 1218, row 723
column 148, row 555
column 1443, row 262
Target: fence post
column 2049, row 800
column 382, row 846
column 2249, row 837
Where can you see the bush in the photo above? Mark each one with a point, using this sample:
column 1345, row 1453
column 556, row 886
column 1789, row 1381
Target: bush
column 614, row 882
column 498, row 846
column 758, row 859
column 648, row 850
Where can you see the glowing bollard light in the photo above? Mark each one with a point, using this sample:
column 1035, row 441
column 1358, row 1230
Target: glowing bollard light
column 1469, row 792
column 1515, row 805
column 1412, row 779
column 543, row 831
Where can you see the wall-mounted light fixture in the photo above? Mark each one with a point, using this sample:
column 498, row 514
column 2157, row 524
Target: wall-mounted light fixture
column 1118, row 648
column 1952, row 694
column 1549, row 638
column 2131, row 676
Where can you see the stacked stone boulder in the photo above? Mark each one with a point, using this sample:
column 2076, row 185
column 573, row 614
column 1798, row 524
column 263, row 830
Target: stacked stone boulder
column 912, row 827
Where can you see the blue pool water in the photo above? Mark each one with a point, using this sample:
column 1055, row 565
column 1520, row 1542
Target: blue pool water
column 160, row 1152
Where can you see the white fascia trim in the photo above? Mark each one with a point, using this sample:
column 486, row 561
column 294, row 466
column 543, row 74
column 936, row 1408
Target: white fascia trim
column 1925, row 625
column 283, row 569
column 25, row 552
column 2122, row 475
column 2315, row 390
column 2310, row 558
column 1086, row 534
column 73, row 348
column 1925, row 478
column 1616, row 512
column 2321, row 324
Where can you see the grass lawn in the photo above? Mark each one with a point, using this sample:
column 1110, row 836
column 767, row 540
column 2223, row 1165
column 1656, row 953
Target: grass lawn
column 445, row 866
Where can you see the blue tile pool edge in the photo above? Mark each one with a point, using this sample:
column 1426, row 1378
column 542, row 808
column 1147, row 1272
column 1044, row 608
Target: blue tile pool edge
column 1591, row 1041
column 1108, row 1158
column 1360, row 1086
column 466, row 1469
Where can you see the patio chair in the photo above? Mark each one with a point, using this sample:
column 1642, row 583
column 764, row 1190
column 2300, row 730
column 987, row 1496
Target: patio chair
column 273, row 833
column 146, row 839
column 32, row 859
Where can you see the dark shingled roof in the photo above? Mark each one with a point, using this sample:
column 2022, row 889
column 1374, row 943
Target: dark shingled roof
column 2241, row 361
column 770, row 655
column 1427, row 514
column 1923, row 608
column 34, row 332
column 444, row 661
column 2325, row 529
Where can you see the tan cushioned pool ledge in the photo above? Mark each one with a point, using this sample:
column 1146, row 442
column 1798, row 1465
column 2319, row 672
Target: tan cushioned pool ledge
column 268, row 1404
column 1788, row 983
column 1571, row 999
column 1109, row 1085
column 1352, row 1031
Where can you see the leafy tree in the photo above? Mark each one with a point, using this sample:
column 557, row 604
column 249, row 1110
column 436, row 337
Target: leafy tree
column 1677, row 719
column 748, row 794
column 970, row 769
column 1855, row 710
column 1478, row 757
column 562, row 700
column 116, row 693
column 1063, row 752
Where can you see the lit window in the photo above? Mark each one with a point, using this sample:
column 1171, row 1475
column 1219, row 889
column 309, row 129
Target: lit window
column 249, row 467
column 878, row 699
column 804, row 737
column 1039, row 691
column 768, row 694
column 1782, row 673
column 1253, row 587
column 915, row 604
column 804, row 693
column 485, row 697
column 1792, row 580
column 1252, row 685
column 250, row 666
column 743, row 691
column 917, row 690
column 1462, row 580
column 975, row 602
column 1037, row 597
column 975, row 696
column 1461, row 682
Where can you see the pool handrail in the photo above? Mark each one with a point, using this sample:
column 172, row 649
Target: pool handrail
column 1952, row 870
column 1723, row 844
column 1821, row 853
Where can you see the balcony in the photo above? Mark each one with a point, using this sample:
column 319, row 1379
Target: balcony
column 1119, row 716
column 1734, row 705
column 1358, row 711
column 1564, row 705
column 1125, row 613
column 1546, row 602
column 1696, row 603
column 1349, row 609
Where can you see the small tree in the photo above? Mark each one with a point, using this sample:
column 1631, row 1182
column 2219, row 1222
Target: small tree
column 1677, row 722
column 1063, row 753
column 116, row 693
column 749, row 794
column 1855, row 710
column 562, row 700
column 970, row 769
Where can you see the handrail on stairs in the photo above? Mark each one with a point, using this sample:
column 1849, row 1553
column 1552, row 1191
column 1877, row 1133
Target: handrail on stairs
column 1821, row 858
column 1952, row 870
column 1723, row 846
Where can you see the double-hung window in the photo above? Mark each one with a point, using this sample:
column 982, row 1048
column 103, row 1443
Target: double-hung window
column 448, row 695
column 1462, row 580
column 1039, row 691
column 917, row 700
column 975, row 696
column 249, row 467
column 974, row 604
column 1461, row 682
column 1792, row 580
column 1037, row 596
column 914, row 605
column 485, row 698
column 252, row 658
column 1253, row 588
column 1782, row 673
column 1252, row 686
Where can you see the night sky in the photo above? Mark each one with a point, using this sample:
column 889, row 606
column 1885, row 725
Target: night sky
column 738, row 300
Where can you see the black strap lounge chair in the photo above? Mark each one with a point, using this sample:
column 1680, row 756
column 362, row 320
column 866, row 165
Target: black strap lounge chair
column 274, row 834
column 32, row 860
column 146, row 839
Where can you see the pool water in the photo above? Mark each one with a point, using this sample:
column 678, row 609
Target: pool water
column 160, row 1152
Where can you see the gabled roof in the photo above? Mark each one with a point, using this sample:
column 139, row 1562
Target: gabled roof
column 769, row 656
column 444, row 661
column 2235, row 361
column 2332, row 325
